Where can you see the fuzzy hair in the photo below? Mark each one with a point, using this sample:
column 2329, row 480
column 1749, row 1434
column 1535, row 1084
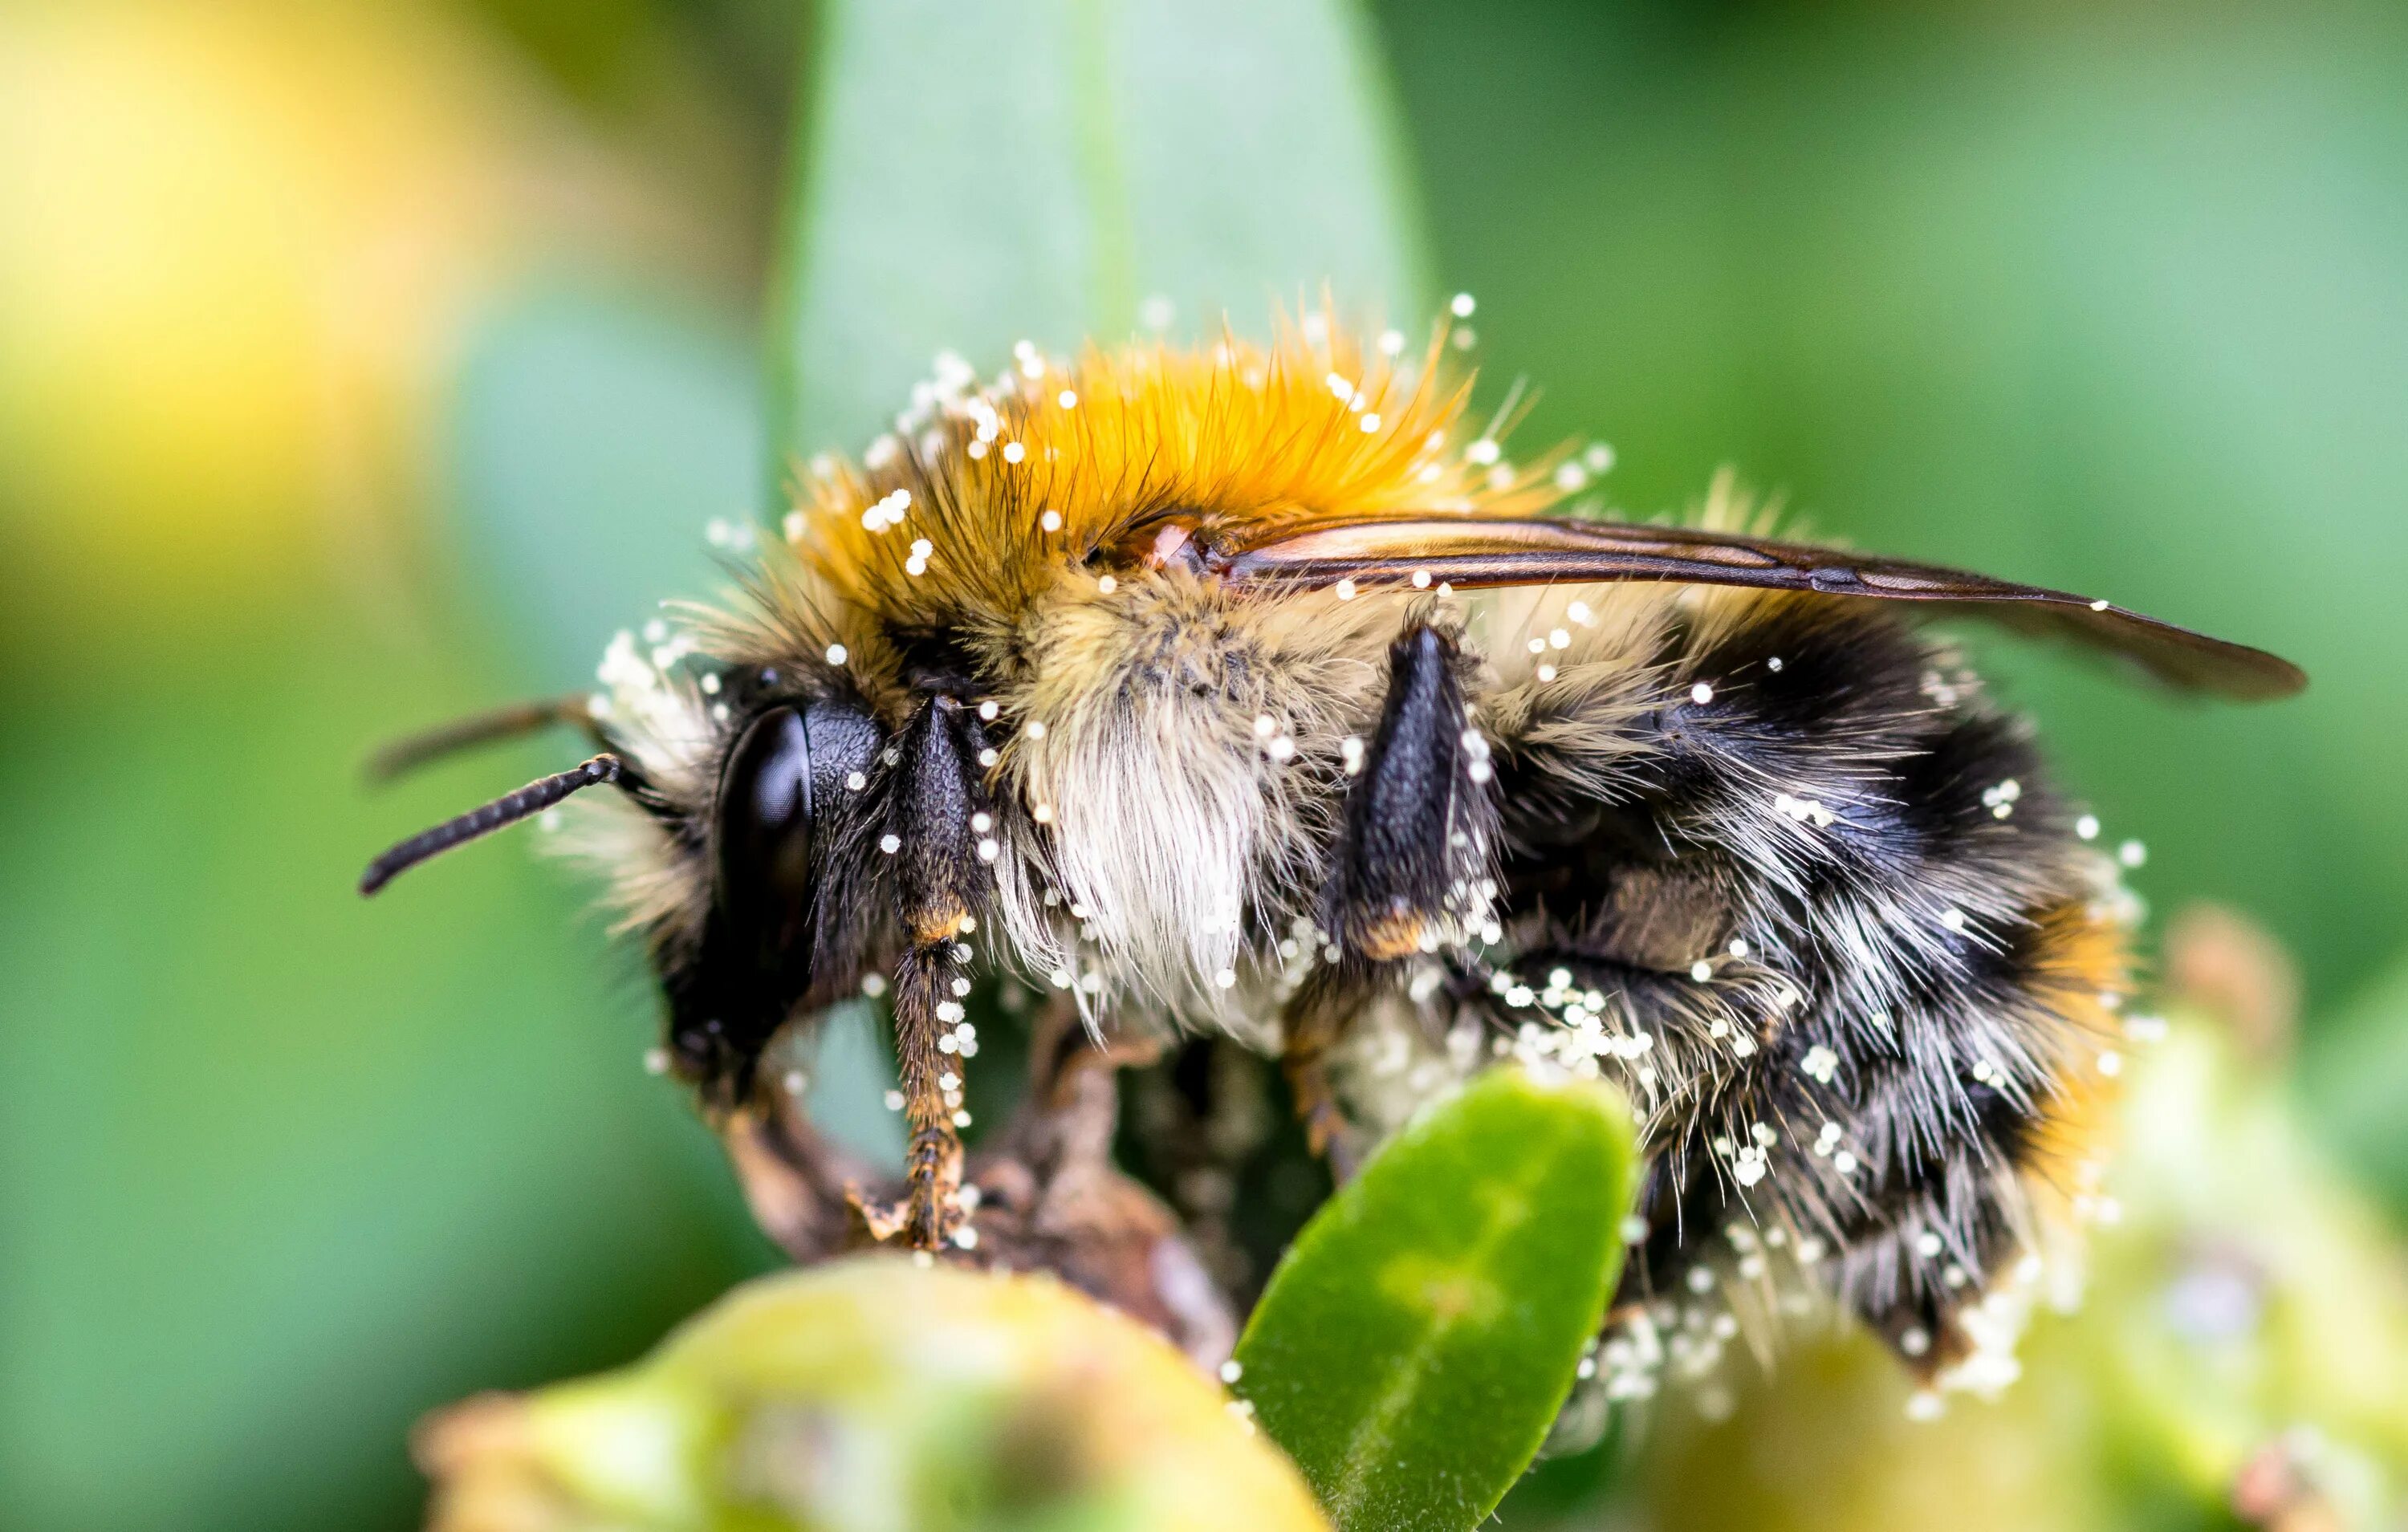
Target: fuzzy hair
column 1168, row 770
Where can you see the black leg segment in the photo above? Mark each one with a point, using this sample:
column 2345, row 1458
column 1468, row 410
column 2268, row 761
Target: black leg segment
column 1420, row 819
column 934, row 809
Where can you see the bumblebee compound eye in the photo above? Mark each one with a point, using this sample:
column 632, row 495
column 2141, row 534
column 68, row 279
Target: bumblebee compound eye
column 784, row 789
column 761, row 863
column 777, row 793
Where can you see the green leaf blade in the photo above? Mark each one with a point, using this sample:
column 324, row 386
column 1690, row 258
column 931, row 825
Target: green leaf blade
column 1416, row 1343
column 968, row 177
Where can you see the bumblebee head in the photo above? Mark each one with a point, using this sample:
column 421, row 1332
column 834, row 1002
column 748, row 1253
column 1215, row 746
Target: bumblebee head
column 739, row 842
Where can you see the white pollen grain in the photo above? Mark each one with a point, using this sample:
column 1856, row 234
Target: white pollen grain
column 1462, row 306
column 838, row 653
column 889, row 844
column 1701, row 693
column 1050, row 522
column 1107, row 584
column 1068, row 399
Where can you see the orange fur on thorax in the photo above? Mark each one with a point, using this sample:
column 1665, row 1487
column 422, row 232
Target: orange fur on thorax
column 1311, row 427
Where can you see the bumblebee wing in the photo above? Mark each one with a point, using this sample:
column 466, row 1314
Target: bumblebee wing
column 1468, row 551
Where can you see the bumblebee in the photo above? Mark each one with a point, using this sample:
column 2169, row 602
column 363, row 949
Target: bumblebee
column 1254, row 688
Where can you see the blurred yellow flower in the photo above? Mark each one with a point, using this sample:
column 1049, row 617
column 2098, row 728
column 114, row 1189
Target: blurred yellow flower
column 237, row 245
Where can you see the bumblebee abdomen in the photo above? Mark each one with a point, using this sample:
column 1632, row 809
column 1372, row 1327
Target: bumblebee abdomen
column 1779, row 867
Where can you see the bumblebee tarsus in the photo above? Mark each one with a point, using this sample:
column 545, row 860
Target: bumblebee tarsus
column 932, row 1210
column 1312, row 1026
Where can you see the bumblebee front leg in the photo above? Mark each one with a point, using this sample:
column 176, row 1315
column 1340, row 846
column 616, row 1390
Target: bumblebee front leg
column 924, row 999
column 1419, row 825
column 936, row 794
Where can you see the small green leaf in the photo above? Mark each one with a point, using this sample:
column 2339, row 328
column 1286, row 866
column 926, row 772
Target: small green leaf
column 1418, row 1339
column 968, row 175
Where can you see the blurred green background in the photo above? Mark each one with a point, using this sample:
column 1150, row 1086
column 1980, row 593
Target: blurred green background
column 360, row 365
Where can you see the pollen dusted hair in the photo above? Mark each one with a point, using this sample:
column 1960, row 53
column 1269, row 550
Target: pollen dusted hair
column 1252, row 688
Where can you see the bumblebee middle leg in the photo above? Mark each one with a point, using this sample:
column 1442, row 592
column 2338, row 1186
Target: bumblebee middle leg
column 1417, row 840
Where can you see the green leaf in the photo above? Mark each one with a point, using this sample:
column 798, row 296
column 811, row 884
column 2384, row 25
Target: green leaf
column 1417, row 1341
column 594, row 429
column 970, row 176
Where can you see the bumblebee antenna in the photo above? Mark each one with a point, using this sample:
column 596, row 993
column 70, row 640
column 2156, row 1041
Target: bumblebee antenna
column 534, row 798
column 417, row 750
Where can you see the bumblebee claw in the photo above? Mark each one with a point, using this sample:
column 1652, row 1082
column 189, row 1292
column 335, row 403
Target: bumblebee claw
column 881, row 1219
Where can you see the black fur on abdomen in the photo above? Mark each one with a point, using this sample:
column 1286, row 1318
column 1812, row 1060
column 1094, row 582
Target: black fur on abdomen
column 1794, row 848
